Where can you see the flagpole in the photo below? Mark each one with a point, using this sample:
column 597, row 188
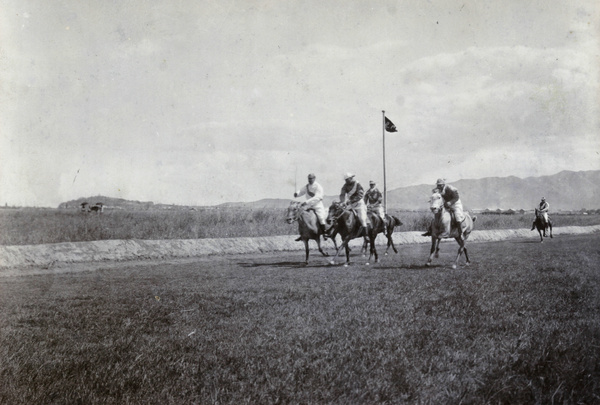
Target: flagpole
column 384, row 182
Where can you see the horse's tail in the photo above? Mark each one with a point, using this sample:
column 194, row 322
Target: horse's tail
column 396, row 221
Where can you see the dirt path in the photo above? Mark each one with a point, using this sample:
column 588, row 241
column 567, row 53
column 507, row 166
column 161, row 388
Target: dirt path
column 39, row 259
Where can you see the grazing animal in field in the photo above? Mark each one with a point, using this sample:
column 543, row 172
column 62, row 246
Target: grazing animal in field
column 98, row 208
column 344, row 220
column 391, row 223
column 443, row 227
column 542, row 225
column 308, row 225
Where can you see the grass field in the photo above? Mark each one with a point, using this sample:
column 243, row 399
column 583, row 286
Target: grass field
column 31, row 226
column 519, row 326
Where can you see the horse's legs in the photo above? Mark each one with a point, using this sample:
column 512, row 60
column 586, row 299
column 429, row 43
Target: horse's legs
column 467, row 255
column 541, row 237
column 390, row 241
column 434, row 247
column 373, row 251
column 339, row 249
column 363, row 250
column 550, row 227
column 306, row 248
column 461, row 248
column 319, row 246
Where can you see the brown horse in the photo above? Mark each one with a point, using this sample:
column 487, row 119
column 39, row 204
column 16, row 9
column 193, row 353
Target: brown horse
column 391, row 223
column 308, row 225
column 541, row 225
column 345, row 221
column 443, row 227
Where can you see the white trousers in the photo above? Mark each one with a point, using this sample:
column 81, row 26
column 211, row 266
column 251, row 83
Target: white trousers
column 457, row 208
column 361, row 210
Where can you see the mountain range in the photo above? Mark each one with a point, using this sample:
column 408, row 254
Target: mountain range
column 567, row 190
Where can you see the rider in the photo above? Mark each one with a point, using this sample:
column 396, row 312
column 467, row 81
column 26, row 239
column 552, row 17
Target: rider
column 543, row 209
column 451, row 202
column 373, row 198
column 314, row 200
column 353, row 193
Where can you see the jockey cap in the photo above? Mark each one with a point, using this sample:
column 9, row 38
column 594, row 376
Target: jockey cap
column 312, row 176
column 348, row 176
column 372, row 183
column 543, row 199
column 440, row 181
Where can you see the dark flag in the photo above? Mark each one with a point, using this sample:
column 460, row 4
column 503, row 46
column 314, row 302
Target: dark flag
column 389, row 126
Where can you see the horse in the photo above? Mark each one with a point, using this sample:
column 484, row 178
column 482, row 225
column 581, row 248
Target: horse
column 308, row 226
column 541, row 225
column 391, row 222
column 345, row 222
column 442, row 227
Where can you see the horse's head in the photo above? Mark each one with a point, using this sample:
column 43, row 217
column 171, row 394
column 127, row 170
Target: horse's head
column 292, row 212
column 436, row 203
column 335, row 210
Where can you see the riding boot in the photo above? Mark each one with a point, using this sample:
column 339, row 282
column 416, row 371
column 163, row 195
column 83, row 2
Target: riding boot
column 533, row 226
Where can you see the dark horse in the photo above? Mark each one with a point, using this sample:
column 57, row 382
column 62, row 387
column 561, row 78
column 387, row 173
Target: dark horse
column 391, row 223
column 541, row 225
column 442, row 228
column 345, row 222
column 308, row 225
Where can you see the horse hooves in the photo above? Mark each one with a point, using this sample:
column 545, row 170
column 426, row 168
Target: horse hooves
column 454, row 266
column 332, row 262
column 385, row 254
column 345, row 264
column 367, row 263
column 428, row 264
column 468, row 263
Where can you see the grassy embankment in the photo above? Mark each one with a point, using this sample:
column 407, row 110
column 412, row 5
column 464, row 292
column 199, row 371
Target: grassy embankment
column 518, row 328
column 29, row 226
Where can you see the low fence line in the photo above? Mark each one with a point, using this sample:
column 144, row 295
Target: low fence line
column 122, row 250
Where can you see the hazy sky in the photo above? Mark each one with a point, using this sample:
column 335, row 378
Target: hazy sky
column 204, row 102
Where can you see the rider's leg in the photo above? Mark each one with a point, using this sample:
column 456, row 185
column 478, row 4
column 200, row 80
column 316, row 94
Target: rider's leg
column 457, row 218
column 382, row 216
column 322, row 216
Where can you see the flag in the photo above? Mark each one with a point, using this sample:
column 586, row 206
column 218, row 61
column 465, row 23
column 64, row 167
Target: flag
column 389, row 126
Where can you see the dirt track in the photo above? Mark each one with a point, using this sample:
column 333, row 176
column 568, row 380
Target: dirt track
column 76, row 257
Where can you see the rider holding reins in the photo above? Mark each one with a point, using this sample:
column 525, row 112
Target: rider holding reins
column 451, row 202
column 373, row 198
column 314, row 200
column 543, row 209
column 353, row 193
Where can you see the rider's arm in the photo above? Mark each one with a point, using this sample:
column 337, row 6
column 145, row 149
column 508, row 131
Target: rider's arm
column 318, row 195
column 300, row 192
column 453, row 193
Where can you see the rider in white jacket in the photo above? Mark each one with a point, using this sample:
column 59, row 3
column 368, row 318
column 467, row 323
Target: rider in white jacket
column 314, row 200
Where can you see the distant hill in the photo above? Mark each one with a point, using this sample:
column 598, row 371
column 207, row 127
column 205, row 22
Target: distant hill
column 567, row 190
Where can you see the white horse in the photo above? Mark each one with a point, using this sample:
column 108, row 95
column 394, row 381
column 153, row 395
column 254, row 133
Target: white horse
column 443, row 227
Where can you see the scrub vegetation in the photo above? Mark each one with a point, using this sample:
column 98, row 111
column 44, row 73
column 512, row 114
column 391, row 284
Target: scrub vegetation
column 30, row 226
